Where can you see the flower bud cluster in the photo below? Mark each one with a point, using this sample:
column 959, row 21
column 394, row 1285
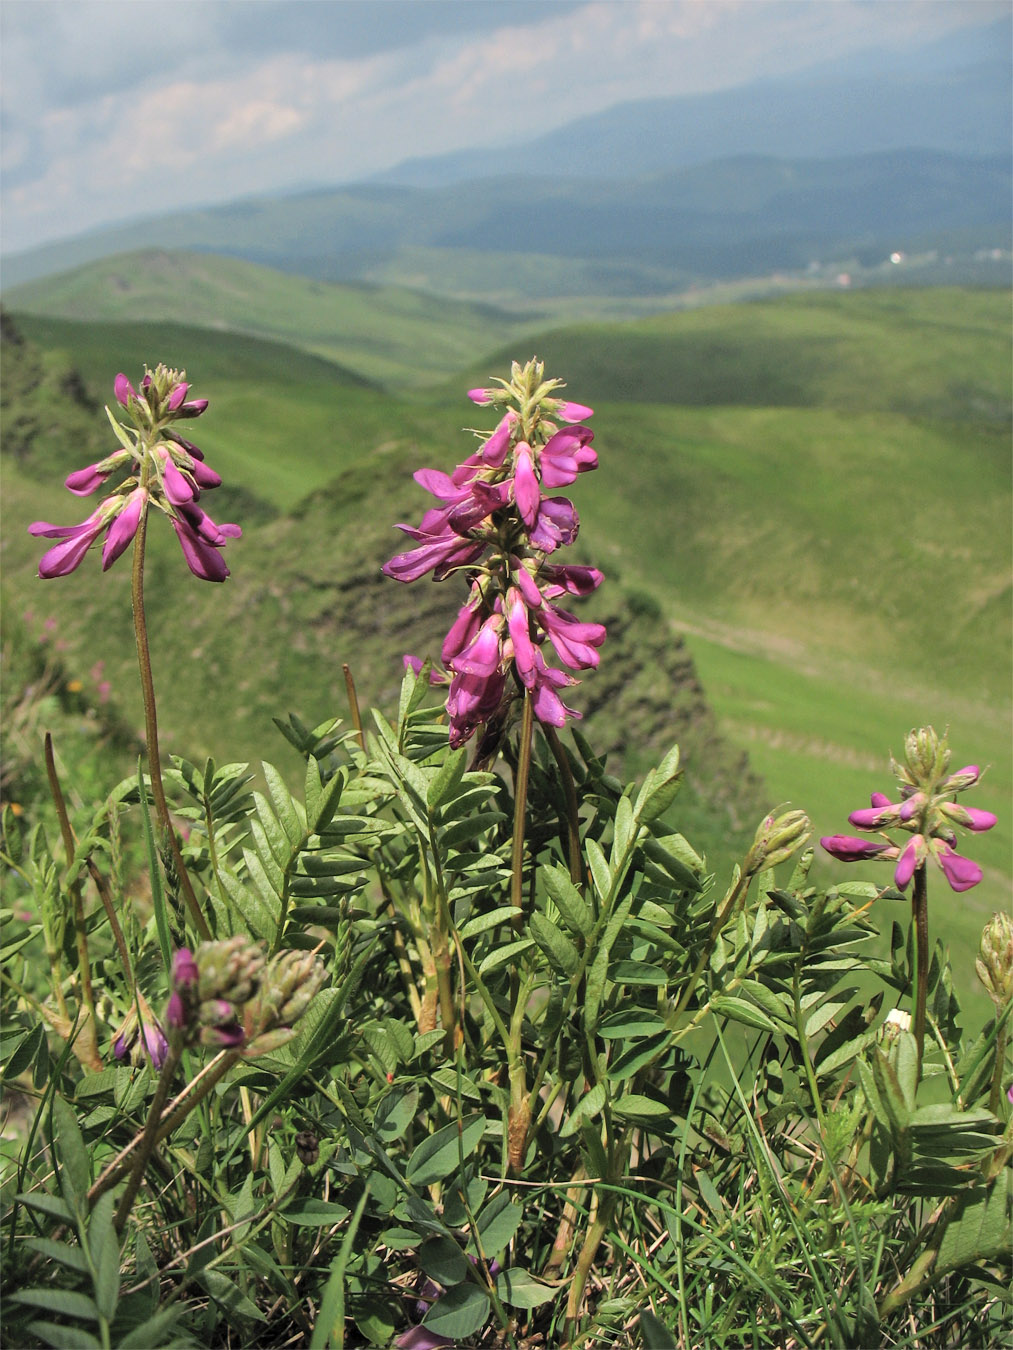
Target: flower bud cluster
column 163, row 470
column 994, row 963
column 210, row 988
column 495, row 522
column 926, row 810
column 776, row 839
column 228, row 995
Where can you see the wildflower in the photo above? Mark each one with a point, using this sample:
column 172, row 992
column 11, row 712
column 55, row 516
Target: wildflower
column 494, row 522
column 926, row 809
column 140, row 1036
column 164, row 470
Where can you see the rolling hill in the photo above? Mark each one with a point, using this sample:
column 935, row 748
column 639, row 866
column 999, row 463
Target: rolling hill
column 813, row 491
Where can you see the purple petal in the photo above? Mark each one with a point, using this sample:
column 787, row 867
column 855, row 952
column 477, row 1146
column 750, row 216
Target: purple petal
column 907, row 862
column 527, row 493
column 83, row 482
column 871, row 817
column 573, row 412
column 192, row 409
column 176, row 397
column 849, row 849
column 123, row 528
column 519, row 624
column 178, row 488
column 493, row 451
column 960, row 872
column 480, row 395
column 204, row 477
column 202, row 558
column 123, row 389
column 979, row 820
column 61, row 560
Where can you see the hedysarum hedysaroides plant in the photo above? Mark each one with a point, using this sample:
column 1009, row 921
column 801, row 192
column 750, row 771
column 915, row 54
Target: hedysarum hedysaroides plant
column 496, row 523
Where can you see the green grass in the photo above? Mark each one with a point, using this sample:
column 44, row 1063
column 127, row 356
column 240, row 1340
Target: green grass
column 388, row 334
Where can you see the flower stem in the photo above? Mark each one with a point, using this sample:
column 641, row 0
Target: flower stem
column 570, row 793
column 920, row 919
column 151, row 727
column 80, row 929
column 148, row 1139
column 520, row 809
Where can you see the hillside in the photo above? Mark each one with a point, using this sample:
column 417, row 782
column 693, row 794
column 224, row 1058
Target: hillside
column 382, row 334
column 813, row 492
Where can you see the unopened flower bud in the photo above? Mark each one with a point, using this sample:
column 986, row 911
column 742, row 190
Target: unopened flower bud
column 778, row 837
column 927, row 755
column 994, row 964
column 230, row 969
column 963, row 778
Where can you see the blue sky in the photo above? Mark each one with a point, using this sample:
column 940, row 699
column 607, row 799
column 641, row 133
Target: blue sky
column 113, row 109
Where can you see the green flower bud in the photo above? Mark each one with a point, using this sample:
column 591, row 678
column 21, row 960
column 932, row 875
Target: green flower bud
column 289, row 983
column 927, row 756
column 995, row 960
column 778, row 837
column 230, row 970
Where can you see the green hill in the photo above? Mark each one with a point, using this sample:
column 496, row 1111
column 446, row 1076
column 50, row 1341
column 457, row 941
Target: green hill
column 384, row 334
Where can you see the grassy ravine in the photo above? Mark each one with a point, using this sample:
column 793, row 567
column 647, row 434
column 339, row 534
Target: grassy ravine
column 814, row 490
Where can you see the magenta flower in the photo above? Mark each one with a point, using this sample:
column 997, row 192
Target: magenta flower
column 849, row 849
column 63, row 558
column 926, row 811
column 141, row 1037
column 493, row 522
column 165, row 471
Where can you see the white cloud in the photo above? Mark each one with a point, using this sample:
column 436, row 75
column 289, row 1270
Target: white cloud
column 213, row 121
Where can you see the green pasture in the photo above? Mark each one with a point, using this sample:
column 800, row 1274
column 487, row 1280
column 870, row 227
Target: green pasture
column 393, row 335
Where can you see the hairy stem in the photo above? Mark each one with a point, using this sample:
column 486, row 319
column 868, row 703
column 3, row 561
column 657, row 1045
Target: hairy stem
column 520, row 809
column 80, row 930
column 151, row 727
column 920, row 919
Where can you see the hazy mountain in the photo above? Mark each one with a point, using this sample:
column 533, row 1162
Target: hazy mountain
column 741, row 217
column 954, row 96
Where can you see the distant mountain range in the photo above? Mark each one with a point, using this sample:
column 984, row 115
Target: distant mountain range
column 653, row 235
column 842, row 164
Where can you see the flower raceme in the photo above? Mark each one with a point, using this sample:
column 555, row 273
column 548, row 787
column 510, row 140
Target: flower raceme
column 163, row 470
column 926, row 810
column 495, row 521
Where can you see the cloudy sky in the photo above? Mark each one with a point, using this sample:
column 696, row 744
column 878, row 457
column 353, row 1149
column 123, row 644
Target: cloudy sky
column 113, row 109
